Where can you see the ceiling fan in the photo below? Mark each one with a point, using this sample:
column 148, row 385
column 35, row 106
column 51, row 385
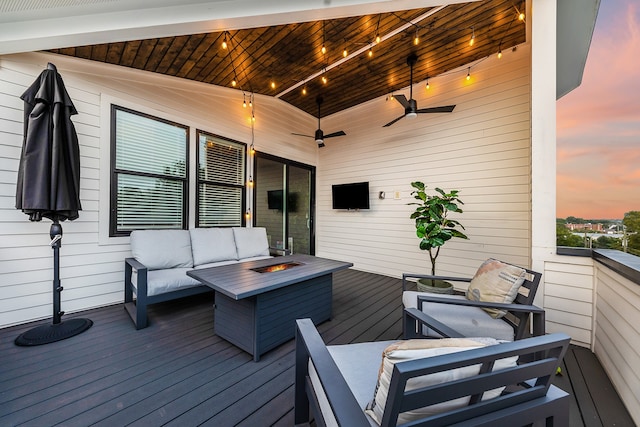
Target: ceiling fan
column 320, row 136
column 411, row 106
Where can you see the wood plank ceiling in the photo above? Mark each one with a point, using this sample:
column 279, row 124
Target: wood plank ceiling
column 291, row 57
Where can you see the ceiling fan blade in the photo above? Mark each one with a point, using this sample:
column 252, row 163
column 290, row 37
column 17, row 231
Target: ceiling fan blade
column 443, row 109
column 393, row 121
column 300, row 134
column 331, row 135
column 402, row 100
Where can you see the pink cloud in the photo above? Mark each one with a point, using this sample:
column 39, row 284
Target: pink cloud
column 598, row 124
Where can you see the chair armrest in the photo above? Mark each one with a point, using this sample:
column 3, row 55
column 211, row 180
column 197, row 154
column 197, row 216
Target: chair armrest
column 309, row 345
column 141, row 269
column 279, row 251
column 406, row 276
column 426, row 320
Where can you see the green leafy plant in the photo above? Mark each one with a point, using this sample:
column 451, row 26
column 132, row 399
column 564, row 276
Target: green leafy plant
column 433, row 227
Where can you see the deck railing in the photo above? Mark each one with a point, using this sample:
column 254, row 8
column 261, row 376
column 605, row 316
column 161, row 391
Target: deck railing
column 594, row 295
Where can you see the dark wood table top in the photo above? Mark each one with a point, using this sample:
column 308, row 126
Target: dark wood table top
column 239, row 281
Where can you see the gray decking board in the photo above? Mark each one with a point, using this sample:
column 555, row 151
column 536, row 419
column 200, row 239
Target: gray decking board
column 178, row 372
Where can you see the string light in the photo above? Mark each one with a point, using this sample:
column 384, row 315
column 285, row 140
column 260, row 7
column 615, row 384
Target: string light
column 416, row 39
column 252, row 149
column 521, row 16
column 250, row 183
column 247, row 214
column 469, row 74
column 473, row 36
column 324, row 49
column 344, row 52
column 427, row 84
column 234, row 82
column 500, row 54
column 324, row 79
column 224, row 42
column 251, row 100
column 244, row 101
column 377, row 38
column 272, row 84
column 304, row 89
column 370, row 52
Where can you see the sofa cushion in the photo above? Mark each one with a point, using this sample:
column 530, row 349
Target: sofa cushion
column 160, row 249
column 496, row 281
column 251, row 242
column 469, row 321
column 212, row 245
column 167, row 280
column 423, row 348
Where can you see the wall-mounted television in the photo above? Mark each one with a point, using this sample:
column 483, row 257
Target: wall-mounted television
column 350, row 196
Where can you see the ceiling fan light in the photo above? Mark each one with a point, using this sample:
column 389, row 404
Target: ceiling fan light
column 411, row 115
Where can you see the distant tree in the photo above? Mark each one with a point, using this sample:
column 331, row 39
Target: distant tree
column 631, row 220
column 607, row 242
column 564, row 237
column 574, row 220
column 633, row 246
column 561, row 221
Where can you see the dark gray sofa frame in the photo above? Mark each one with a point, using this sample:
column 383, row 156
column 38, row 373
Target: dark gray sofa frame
column 137, row 308
column 518, row 315
column 531, row 397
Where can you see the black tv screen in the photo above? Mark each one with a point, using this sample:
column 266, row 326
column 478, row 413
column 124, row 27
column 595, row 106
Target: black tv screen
column 350, row 196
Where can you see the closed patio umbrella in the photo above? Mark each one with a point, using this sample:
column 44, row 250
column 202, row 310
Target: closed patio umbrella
column 49, row 184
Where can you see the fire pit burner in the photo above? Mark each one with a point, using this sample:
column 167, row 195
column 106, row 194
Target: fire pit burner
column 276, row 267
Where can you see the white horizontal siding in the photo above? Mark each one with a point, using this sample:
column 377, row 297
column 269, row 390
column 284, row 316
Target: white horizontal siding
column 568, row 297
column 482, row 149
column 617, row 336
column 91, row 265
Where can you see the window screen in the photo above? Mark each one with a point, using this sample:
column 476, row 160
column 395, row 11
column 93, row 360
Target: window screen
column 149, row 184
column 221, row 178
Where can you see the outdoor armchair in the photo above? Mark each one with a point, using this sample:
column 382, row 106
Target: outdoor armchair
column 478, row 314
column 368, row 384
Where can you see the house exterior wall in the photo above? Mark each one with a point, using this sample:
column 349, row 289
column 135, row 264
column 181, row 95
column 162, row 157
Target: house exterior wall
column 91, row 263
column 482, row 148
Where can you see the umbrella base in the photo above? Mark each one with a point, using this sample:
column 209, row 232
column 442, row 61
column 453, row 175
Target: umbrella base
column 46, row 334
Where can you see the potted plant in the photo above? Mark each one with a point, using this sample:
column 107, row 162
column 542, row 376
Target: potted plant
column 434, row 228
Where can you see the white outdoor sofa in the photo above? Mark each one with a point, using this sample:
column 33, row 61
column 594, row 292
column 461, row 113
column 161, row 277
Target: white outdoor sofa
column 157, row 271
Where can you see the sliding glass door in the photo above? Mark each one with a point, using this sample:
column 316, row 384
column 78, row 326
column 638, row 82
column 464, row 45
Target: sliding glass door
column 283, row 202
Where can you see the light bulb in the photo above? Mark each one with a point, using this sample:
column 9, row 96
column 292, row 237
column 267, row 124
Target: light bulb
column 224, row 42
column 247, row 214
column 273, row 84
column 244, row 104
column 427, row 85
column 469, row 74
column 234, row 83
column 253, row 149
column 253, row 118
column 344, row 53
column 521, row 16
column 499, row 54
column 250, row 183
column 324, row 79
column 304, row 90
column 473, row 36
column 416, row 39
column 323, row 50
column 377, row 38
column 370, row 53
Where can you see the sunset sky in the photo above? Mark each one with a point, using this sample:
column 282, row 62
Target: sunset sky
column 598, row 124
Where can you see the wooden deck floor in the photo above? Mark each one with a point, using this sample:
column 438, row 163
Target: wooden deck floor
column 177, row 372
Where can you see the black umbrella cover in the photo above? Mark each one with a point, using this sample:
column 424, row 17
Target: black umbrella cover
column 49, row 172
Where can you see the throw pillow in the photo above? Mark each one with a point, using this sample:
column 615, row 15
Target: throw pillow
column 422, row 348
column 496, row 281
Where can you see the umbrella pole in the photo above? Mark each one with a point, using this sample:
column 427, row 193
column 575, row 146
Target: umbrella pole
column 56, row 241
column 57, row 330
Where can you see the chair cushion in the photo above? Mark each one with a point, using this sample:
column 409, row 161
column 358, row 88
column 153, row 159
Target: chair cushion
column 212, row 245
column 469, row 321
column 496, row 281
column 423, row 348
column 251, row 242
column 359, row 365
column 160, row 249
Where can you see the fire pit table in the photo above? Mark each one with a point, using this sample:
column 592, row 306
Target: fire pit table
column 257, row 302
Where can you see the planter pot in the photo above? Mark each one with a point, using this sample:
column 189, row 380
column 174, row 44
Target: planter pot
column 435, row 286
